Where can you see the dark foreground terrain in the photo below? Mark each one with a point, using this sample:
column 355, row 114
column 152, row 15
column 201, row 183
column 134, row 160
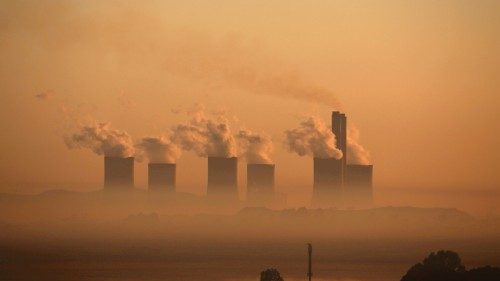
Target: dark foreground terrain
column 71, row 237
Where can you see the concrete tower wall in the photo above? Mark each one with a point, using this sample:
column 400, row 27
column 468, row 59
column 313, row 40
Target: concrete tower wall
column 223, row 177
column 359, row 185
column 162, row 176
column 260, row 181
column 328, row 181
column 118, row 172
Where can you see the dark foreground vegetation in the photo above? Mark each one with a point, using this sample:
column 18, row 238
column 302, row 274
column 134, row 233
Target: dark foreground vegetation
column 440, row 266
column 447, row 266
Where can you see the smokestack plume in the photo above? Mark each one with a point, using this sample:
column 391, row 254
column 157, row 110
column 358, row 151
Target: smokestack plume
column 356, row 153
column 162, row 176
column 312, row 138
column 118, row 172
column 102, row 140
column 206, row 137
column 158, row 150
column 256, row 148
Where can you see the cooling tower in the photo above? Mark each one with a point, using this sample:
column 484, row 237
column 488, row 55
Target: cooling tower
column 161, row 176
column 260, row 184
column 359, row 186
column 223, row 177
column 118, row 172
column 328, row 181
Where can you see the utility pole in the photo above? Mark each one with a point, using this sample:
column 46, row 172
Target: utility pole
column 310, row 250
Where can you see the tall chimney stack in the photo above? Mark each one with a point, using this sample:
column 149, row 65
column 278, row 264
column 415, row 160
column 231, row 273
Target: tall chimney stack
column 223, row 178
column 339, row 129
column 260, row 183
column 162, row 176
column 118, row 173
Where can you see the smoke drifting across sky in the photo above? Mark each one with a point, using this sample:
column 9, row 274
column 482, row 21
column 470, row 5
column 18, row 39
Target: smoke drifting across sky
column 102, row 139
column 228, row 61
column 224, row 62
column 158, row 150
column 205, row 136
column 356, row 153
column 312, row 138
column 256, row 148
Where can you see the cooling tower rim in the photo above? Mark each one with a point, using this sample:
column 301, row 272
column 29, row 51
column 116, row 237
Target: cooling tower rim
column 119, row 157
column 360, row 165
column 326, row 158
column 223, row 157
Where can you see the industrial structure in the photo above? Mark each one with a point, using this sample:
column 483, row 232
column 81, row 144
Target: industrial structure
column 339, row 129
column 309, row 251
column 337, row 184
column 161, row 176
column 359, row 186
column 118, row 173
column 260, row 184
column 223, row 178
column 327, row 182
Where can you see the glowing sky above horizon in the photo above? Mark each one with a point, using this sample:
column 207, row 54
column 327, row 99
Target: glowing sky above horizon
column 420, row 79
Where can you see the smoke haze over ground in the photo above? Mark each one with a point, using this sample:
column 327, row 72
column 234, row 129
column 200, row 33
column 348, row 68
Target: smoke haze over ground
column 138, row 235
column 419, row 78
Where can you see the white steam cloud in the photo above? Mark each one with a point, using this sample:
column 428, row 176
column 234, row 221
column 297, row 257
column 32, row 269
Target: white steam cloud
column 102, row 140
column 356, row 153
column 256, row 148
column 205, row 136
column 312, row 138
column 158, row 150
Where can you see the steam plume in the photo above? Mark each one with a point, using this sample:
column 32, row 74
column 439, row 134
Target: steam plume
column 256, row 148
column 206, row 137
column 102, row 140
column 158, row 150
column 356, row 153
column 312, row 138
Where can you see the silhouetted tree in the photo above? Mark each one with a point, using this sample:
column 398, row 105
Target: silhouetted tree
column 486, row 273
column 270, row 274
column 447, row 266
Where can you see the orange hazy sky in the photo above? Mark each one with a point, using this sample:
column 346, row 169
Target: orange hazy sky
column 420, row 79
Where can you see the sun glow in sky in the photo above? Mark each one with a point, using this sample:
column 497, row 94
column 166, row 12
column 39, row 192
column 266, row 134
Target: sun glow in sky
column 420, row 79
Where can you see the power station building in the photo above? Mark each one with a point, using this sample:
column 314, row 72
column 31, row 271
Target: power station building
column 118, row 173
column 260, row 184
column 223, row 178
column 337, row 184
column 161, row 176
